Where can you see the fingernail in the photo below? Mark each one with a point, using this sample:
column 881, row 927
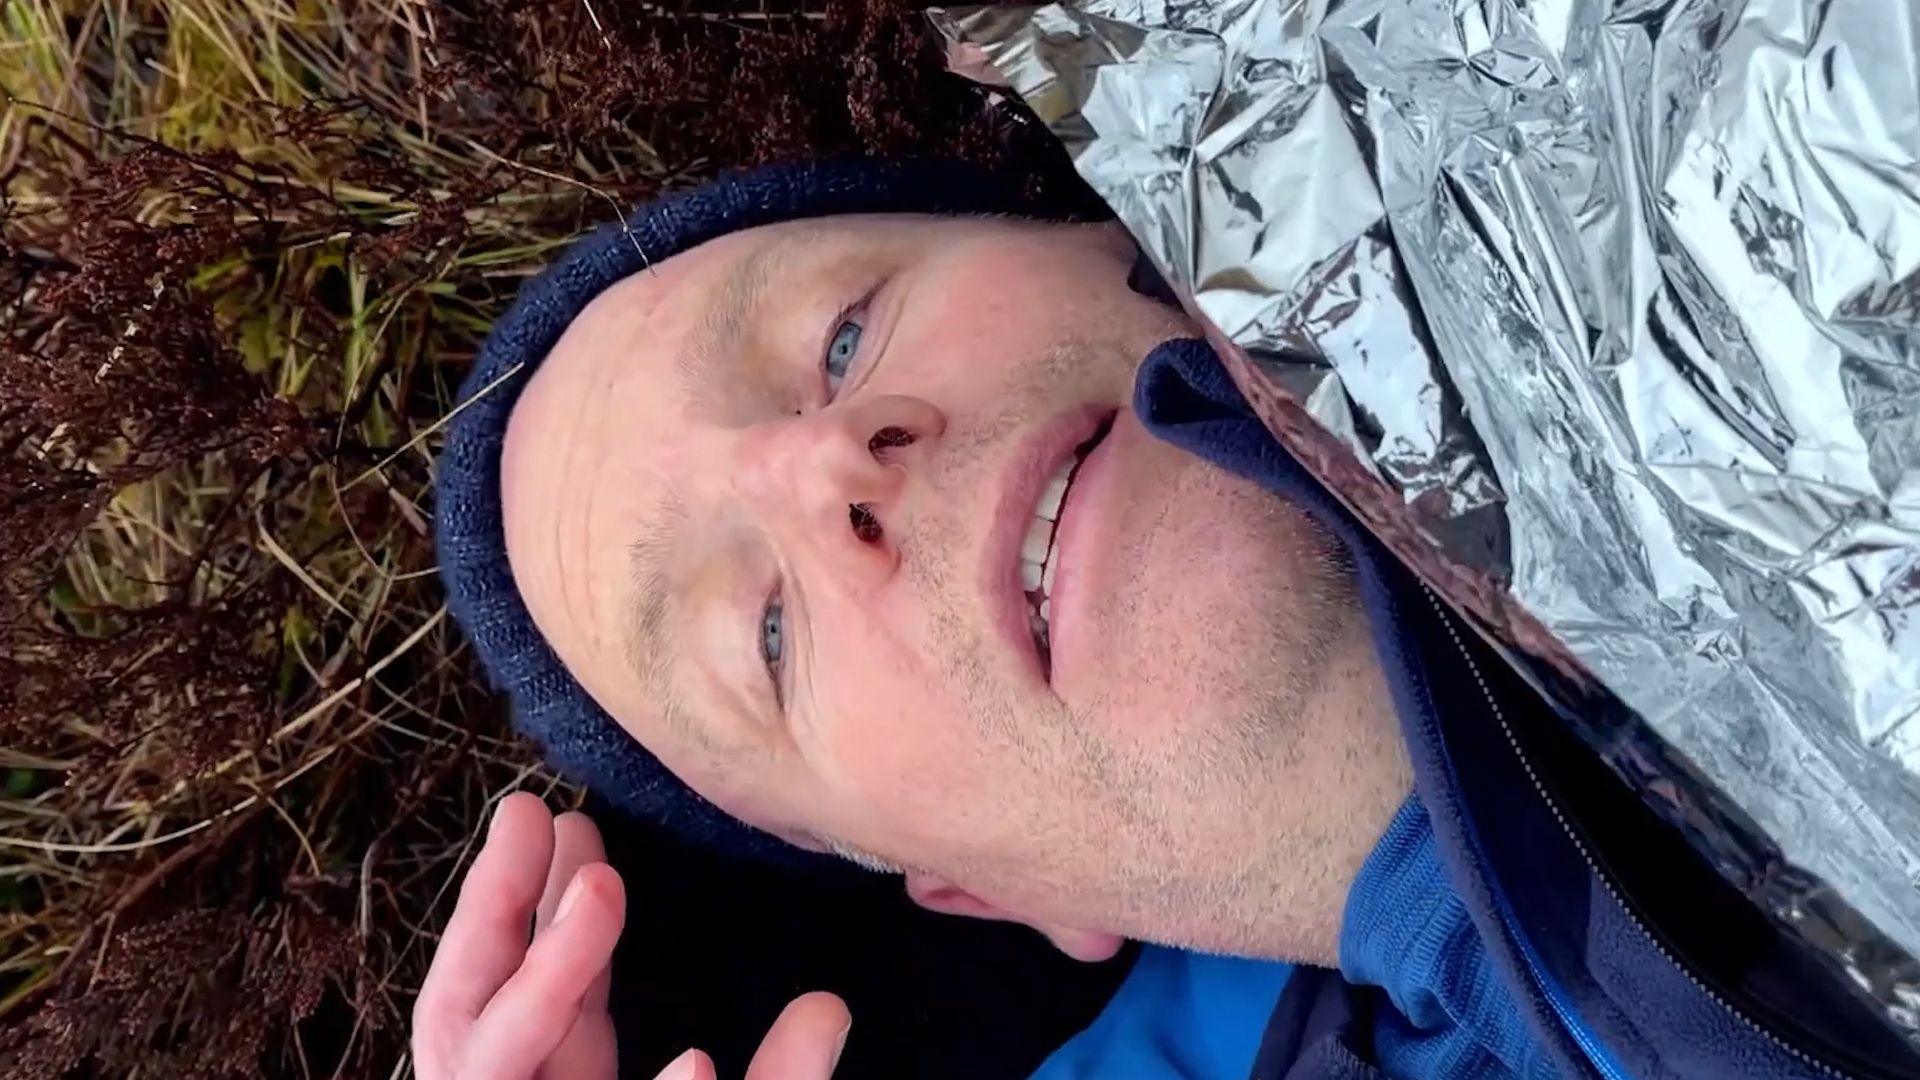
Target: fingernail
column 840, row 1046
column 568, row 899
column 681, row 1068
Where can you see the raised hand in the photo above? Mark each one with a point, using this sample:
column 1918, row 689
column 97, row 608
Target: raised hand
column 518, row 986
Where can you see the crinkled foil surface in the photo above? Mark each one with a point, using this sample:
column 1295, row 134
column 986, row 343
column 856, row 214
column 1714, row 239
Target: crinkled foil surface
column 1606, row 316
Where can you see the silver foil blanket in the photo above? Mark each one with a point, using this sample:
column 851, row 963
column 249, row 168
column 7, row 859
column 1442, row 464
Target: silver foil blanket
column 1606, row 317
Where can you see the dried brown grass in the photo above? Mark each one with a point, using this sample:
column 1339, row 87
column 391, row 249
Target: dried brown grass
column 249, row 247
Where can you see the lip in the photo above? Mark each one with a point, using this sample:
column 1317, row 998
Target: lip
column 1089, row 502
column 1026, row 475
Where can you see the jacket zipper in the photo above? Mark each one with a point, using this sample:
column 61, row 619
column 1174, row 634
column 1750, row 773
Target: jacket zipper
column 1587, row 1043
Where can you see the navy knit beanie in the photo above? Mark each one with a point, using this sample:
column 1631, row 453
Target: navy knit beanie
column 580, row 739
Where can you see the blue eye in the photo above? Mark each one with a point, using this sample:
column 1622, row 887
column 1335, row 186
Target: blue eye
column 773, row 638
column 842, row 348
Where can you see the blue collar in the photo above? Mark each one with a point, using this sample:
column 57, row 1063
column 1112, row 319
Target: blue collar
column 1405, row 930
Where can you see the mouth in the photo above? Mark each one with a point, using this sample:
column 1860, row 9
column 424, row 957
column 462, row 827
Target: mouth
column 1024, row 553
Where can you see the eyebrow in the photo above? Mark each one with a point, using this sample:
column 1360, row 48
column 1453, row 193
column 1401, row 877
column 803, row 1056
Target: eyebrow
column 650, row 649
column 716, row 339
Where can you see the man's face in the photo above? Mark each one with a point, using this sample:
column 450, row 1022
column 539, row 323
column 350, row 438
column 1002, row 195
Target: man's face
column 770, row 503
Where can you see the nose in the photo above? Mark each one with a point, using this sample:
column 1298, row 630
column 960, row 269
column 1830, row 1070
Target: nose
column 835, row 475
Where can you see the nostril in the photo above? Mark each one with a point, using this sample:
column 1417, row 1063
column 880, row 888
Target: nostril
column 865, row 525
column 888, row 437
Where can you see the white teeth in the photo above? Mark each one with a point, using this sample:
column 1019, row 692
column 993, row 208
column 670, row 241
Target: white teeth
column 1039, row 534
column 1055, row 491
column 1038, row 559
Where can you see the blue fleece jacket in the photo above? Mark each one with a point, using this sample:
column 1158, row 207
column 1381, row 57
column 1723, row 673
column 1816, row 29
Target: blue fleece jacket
column 1406, row 931
column 1489, row 932
column 1178, row 1016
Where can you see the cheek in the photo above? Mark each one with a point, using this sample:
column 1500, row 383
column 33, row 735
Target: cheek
column 1007, row 314
column 893, row 736
column 1010, row 297
column 1000, row 304
column 965, row 354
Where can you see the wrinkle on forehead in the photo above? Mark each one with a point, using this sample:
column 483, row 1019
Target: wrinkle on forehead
column 560, row 476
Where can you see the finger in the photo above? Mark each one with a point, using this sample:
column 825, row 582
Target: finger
column 536, row 1008
column 486, row 937
column 805, row 1042
column 575, row 844
column 597, row 990
column 590, row 1048
column 692, row 1065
